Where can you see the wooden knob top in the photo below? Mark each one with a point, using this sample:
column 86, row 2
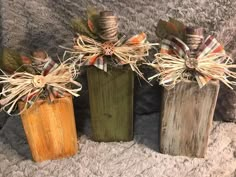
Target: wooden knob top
column 193, row 38
column 106, row 13
column 195, row 31
column 191, row 63
column 108, row 26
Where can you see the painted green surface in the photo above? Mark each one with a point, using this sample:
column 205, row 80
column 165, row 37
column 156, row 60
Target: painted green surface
column 111, row 103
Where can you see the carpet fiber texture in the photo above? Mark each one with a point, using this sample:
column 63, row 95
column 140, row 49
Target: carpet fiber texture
column 138, row 158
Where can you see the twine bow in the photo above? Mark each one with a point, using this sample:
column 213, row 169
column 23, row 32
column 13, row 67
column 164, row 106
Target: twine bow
column 54, row 82
column 175, row 64
column 129, row 52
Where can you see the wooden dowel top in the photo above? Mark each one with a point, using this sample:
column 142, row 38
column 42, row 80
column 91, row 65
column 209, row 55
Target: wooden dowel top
column 108, row 26
column 195, row 31
column 106, row 13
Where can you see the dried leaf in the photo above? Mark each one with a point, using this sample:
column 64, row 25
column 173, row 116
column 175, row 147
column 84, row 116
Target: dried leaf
column 80, row 26
column 137, row 39
column 179, row 26
column 91, row 26
column 93, row 17
column 172, row 27
column 164, row 29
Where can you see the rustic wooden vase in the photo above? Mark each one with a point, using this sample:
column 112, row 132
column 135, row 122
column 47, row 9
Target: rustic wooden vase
column 111, row 103
column 186, row 118
column 50, row 129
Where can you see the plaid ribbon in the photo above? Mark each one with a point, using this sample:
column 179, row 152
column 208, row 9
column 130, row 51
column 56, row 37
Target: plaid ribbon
column 176, row 47
column 51, row 84
column 123, row 52
column 98, row 62
column 44, row 67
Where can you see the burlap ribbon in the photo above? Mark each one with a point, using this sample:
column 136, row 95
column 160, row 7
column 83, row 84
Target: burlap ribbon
column 122, row 52
column 55, row 81
column 174, row 63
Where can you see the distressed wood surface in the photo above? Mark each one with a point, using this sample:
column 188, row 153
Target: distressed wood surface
column 50, row 129
column 187, row 114
column 111, row 104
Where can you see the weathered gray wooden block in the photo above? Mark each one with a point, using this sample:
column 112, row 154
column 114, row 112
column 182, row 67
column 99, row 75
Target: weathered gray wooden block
column 187, row 114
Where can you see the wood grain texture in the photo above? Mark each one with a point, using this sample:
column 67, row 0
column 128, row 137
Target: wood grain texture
column 187, row 114
column 50, row 129
column 111, row 104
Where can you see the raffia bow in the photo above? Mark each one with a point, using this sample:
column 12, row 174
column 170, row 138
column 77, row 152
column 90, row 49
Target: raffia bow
column 129, row 52
column 54, row 82
column 174, row 64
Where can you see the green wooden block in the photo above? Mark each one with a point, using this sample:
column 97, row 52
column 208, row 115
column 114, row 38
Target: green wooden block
column 111, row 103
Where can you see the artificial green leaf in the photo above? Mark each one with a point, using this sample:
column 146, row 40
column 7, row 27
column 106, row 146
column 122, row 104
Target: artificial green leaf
column 10, row 61
column 160, row 29
column 93, row 17
column 80, row 26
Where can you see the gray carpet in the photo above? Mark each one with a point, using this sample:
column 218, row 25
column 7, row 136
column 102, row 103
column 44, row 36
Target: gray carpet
column 138, row 158
column 27, row 25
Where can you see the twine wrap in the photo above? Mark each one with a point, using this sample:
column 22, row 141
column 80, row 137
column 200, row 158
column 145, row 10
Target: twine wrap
column 101, row 45
column 129, row 52
column 53, row 82
column 212, row 63
column 108, row 26
column 194, row 38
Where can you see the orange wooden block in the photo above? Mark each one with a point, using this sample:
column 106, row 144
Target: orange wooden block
column 50, row 129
